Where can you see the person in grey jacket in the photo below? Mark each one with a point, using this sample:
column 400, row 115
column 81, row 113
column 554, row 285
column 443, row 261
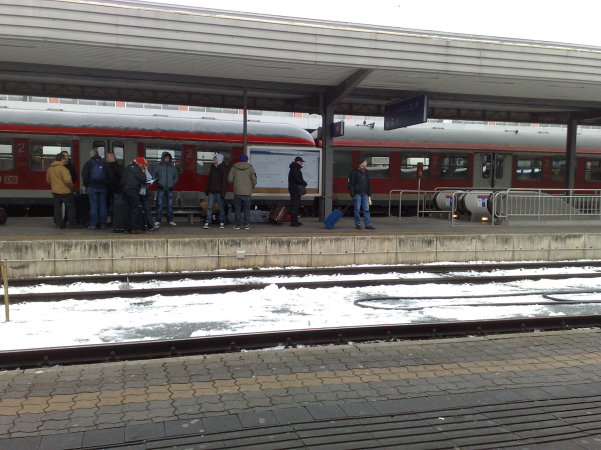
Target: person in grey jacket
column 243, row 177
column 165, row 175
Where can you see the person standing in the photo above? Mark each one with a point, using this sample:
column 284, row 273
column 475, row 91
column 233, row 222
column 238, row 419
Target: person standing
column 134, row 177
column 166, row 175
column 216, row 189
column 360, row 190
column 69, row 166
column 295, row 183
column 94, row 178
column 114, row 173
column 60, row 181
column 145, row 201
column 244, row 179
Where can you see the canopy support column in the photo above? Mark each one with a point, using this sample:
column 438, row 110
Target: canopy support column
column 571, row 153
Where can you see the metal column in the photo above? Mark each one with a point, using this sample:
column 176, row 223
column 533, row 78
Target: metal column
column 327, row 182
column 571, row 153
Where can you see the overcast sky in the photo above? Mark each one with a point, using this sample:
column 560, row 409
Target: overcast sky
column 575, row 21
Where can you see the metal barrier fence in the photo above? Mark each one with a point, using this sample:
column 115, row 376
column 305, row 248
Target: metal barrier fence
column 501, row 205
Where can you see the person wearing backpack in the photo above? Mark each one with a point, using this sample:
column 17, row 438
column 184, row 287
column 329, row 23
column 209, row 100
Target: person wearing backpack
column 94, row 177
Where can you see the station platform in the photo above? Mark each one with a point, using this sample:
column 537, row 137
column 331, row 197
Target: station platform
column 531, row 391
column 34, row 247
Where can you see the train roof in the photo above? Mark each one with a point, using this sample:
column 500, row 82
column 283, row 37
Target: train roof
column 453, row 136
column 156, row 127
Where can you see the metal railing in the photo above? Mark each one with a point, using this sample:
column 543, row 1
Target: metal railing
column 505, row 204
column 547, row 203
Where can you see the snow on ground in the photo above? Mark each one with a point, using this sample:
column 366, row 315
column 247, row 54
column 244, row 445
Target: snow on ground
column 71, row 322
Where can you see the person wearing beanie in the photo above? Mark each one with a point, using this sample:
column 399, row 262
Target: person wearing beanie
column 166, row 175
column 216, row 189
column 360, row 189
column 296, row 184
column 134, row 177
column 244, row 179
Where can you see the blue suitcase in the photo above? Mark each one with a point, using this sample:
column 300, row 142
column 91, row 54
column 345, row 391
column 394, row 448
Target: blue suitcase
column 333, row 218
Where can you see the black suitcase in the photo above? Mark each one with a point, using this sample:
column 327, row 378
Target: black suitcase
column 82, row 209
column 278, row 214
column 120, row 212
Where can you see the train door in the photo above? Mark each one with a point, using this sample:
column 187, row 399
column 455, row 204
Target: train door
column 492, row 170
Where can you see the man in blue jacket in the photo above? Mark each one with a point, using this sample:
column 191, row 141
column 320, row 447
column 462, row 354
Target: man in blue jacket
column 165, row 174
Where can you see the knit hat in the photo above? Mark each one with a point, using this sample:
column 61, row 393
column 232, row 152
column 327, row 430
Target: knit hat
column 140, row 161
column 361, row 160
column 219, row 157
column 243, row 158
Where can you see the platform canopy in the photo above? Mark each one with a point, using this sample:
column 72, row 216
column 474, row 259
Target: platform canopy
column 156, row 53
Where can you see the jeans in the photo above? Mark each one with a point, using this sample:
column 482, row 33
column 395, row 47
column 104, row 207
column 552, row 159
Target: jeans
column 221, row 203
column 242, row 201
column 98, row 206
column 361, row 202
column 145, row 201
column 69, row 202
column 161, row 194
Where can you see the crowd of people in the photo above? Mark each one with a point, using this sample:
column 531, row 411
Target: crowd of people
column 122, row 196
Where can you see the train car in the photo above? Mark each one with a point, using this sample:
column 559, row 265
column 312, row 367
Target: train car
column 30, row 139
column 486, row 157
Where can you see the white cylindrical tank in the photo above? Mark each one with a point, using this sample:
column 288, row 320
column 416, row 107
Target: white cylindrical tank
column 477, row 203
column 443, row 200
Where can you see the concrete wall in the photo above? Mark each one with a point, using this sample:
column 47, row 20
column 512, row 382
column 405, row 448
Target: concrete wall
column 81, row 257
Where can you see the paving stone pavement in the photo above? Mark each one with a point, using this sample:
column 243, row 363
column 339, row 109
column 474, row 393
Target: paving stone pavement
column 531, row 390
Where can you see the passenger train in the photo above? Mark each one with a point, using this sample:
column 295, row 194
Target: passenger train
column 487, row 157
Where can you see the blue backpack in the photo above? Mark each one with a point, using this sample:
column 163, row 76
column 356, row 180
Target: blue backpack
column 97, row 172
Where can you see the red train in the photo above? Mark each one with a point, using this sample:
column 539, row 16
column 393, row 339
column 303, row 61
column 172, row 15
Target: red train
column 492, row 157
column 452, row 156
column 29, row 141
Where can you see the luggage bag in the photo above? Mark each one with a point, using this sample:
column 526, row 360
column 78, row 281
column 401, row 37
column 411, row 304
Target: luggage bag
column 278, row 214
column 333, row 218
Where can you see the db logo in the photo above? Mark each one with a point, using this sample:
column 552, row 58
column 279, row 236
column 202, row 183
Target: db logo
column 9, row 179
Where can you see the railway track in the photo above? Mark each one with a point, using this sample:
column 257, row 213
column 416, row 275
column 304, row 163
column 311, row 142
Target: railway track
column 301, row 284
column 99, row 353
column 298, row 272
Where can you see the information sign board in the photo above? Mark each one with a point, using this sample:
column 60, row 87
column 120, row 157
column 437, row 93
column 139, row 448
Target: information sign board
column 405, row 113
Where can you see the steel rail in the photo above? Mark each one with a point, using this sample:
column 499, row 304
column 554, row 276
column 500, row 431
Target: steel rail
column 300, row 271
column 224, row 289
column 128, row 351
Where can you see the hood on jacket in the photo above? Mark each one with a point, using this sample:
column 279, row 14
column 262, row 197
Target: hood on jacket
column 294, row 165
column 242, row 165
column 219, row 157
column 166, row 154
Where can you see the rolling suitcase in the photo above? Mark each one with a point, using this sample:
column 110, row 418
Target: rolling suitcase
column 278, row 214
column 120, row 212
column 333, row 218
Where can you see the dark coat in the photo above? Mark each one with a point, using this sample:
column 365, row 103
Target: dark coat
column 295, row 178
column 133, row 177
column 165, row 174
column 71, row 169
column 114, row 174
column 359, row 182
column 86, row 172
column 217, row 182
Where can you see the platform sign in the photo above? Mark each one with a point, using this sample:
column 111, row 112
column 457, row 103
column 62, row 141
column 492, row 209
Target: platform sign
column 405, row 113
column 336, row 130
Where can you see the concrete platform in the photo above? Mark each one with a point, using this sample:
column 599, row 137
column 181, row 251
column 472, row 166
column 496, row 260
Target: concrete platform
column 33, row 247
column 530, row 391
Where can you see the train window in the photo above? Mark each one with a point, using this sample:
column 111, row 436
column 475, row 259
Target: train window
column 558, row 169
column 409, row 164
column 118, row 148
column 204, row 159
column 378, row 165
column 153, row 155
column 343, row 163
column 100, row 147
column 592, row 170
column 43, row 153
column 499, row 166
column 453, row 167
column 529, row 169
column 486, row 160
column 7, row 160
